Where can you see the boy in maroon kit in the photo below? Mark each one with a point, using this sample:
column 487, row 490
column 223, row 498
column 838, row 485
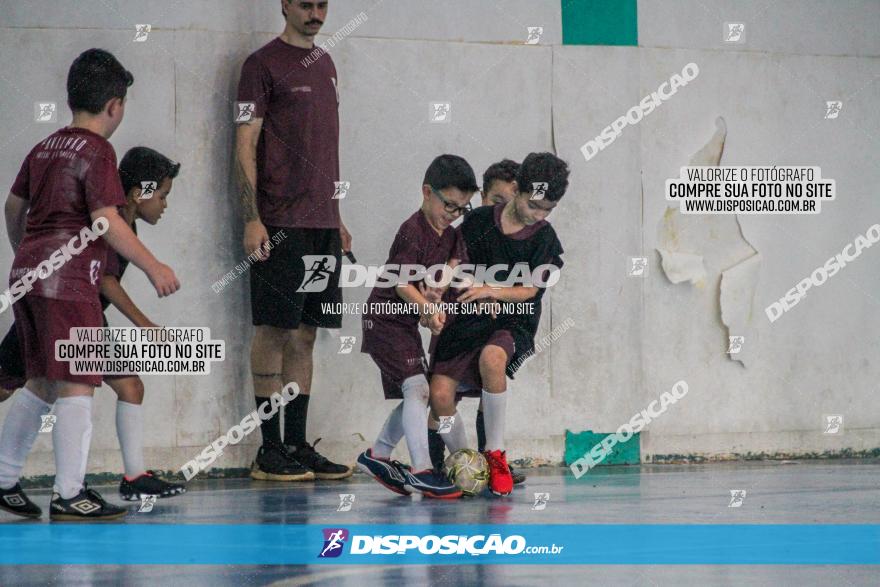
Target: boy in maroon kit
column 479, row 350
column 68, row 185
column 392, row 337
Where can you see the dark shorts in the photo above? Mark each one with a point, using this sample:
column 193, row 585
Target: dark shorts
column 39, row 322
column 110, row 377
column 275, row 300
column 398, row 359
column 465, row 368
column 12, row 369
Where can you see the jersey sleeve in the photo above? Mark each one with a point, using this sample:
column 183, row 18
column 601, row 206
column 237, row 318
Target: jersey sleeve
column 255, row 85
column 102, row 186
column 22, row 184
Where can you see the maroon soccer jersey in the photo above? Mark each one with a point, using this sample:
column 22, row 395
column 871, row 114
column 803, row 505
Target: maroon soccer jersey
column 65, row 178
column 298, row 150
column 419, row 244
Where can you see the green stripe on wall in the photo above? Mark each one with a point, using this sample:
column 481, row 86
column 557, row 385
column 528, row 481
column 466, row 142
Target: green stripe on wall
column 600, row 22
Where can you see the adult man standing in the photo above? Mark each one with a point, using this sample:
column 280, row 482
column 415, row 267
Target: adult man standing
column 287, row 152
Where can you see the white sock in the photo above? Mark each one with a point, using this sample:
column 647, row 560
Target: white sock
column 19, row 432
column 456, row 438
column 390, row 435
column 415, row 421
column 70, row 439
column 130, row 430
column 494, row 418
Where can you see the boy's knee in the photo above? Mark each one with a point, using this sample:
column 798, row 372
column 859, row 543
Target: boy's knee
column 493, row 357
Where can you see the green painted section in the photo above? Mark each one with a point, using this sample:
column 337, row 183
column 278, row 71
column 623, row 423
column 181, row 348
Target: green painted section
column 577, row 444
column 600, row 22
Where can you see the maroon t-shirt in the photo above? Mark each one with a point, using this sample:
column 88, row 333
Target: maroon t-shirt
column 298, row 150
column 416, row 243
column 66, row 177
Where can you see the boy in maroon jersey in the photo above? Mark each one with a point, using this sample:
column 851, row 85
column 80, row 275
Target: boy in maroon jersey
column 147, row 178
column 392, row 337
column 66, row 193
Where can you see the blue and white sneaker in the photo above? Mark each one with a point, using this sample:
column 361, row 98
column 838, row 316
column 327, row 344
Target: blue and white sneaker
column 431, row 483
column 387, row 472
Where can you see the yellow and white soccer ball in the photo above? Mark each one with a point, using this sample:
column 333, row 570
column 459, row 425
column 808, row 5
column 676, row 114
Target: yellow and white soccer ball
column 468, row 470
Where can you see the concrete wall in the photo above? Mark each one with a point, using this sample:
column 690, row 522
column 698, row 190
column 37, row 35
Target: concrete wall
column 633, row 338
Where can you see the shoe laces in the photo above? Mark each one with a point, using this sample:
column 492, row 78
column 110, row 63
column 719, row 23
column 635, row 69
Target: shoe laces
column 94, row 495
column 310, row 452
column 497, row 462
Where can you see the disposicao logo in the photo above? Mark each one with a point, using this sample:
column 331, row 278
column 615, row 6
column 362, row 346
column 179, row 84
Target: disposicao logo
column 334, row 540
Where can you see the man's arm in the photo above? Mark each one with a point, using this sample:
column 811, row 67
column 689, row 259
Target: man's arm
column 125, row 242
column 16, row 215
column 256, row 238
column 113, row 291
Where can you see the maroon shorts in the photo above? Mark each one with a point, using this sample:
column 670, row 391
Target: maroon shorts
column 40, row 322
column 398, row 364
column 465, row 368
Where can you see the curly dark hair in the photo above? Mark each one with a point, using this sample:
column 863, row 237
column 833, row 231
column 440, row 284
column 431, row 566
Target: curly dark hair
column 546, row 168
column 504, row 170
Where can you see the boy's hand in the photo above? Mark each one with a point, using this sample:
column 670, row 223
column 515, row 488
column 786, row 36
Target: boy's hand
column 434, row 295
column 477, row 292
column 256, row 239
column 436, row 322
column 163, row 279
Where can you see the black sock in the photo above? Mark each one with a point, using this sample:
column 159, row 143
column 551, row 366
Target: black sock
column 271, row 427
column 295, row 414
column 436, row 448
column 481, row 432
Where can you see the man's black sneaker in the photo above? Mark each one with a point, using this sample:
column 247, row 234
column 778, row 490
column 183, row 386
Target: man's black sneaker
column 275, row 463
column 14, row 501
column 430, row 483
column 86, row 506
column 518, row 478
column 148, row 484
column 387, row 472
column 323, row 468
column 437, row 449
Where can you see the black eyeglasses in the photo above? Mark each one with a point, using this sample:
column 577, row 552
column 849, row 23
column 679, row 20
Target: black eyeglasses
column 452, row 207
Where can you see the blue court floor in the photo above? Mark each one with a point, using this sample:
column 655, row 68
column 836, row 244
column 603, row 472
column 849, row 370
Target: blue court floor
column 815, row 492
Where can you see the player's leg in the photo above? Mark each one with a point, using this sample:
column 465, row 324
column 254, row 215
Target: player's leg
column 273, row 462
column 297, row 360
column 443, row 404
column 72, row 500
column 137, row 481
column 12, row 370
column 493, row 362
column 20, row 429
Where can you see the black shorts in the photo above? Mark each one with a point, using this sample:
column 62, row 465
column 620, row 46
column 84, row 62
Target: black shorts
column 12, row 371
column 275, row 299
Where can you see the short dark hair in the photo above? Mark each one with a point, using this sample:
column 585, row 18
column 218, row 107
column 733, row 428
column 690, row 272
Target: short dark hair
column 547, row 168
column 144, row 164
column 504, row 170
column 447, row 171
column 94, row 78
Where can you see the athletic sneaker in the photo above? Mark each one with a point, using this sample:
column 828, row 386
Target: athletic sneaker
column 500, row 480
column 518, row 478
column 148, row 484
column 320, row 465
column 430, row 483
column 274, row 463
column 86, row 506
column 387, row 472
column 14, row 501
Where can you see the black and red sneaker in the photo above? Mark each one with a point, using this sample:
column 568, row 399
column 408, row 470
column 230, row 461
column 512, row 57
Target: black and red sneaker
column 148, row 484
column 500, row 479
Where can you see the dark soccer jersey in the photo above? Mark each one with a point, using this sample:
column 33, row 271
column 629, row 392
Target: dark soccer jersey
column 116, row 266
column 298, row 150
column 416, row 243
column 487, row 245
column 66, row 177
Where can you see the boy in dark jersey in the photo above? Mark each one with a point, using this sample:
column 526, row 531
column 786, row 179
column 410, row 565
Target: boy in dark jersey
column 65, row 197
column 482, row 350
column 392, row 338
column 147, row 177
column 499, row 187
